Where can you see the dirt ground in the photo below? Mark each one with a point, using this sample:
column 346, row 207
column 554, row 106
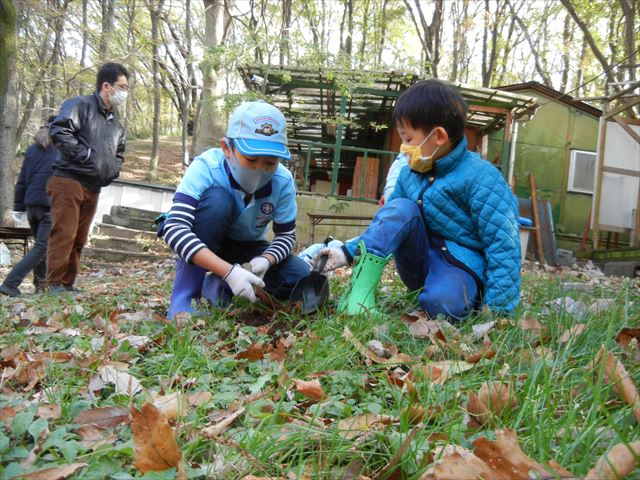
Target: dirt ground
column 138, row 154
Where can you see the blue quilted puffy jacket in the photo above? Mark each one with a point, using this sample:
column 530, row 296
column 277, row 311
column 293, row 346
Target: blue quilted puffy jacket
column 466, row 201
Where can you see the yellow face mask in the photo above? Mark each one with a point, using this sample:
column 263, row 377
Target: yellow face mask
column 417, row 161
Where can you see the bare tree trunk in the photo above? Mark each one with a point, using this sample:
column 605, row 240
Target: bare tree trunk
column 567, row 38
column 58, row 23
column 532, row 46
column 382, row 29
column 346, row 31
column 578, row 87
column 9, row 12
column 629, row 9
column 108, row 10
column 188, row 90
column 509, row 44
column 429, row 33
column 85, row 39
column 131, row 45
column 155, row 11
column 210, row 120
column 284, row 32
column 568, row 4
column 365, row 31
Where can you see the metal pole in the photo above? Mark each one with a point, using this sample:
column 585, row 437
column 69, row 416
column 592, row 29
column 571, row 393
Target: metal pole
column 338, row 145
column 306, row 169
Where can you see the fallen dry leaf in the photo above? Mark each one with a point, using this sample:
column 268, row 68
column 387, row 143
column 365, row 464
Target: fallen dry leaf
column 460, row 464
column 504, row 456
column 171, row 406
column 254, row 352
column 352, row 427
column 123, row 382
column 221, row 425
column 93, row 436
column 199, row 398
column 492, row 399
column 626, row 335
column 311, row 389
column 399, row 358
column 103, row 417
column 617, row 463
column 49, row 412
column 574, row 331
column 279, row 353
column 616, row 375
column 153, row 439
column 440, row 372
column 501, row 459
column 422, row 326
column 53, row 473
column 485, row 353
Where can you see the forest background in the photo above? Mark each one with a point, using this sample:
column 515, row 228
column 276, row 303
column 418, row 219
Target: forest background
column 183, row 55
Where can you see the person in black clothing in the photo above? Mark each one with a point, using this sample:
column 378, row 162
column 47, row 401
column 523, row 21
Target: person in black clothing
column 31, row 196
column 91, row 141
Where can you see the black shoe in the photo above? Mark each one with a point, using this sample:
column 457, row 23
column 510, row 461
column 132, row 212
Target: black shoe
column 72, row 289
column 57, row 289
column 9, row 291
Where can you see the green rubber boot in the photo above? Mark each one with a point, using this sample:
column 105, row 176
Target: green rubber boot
column 360, row 296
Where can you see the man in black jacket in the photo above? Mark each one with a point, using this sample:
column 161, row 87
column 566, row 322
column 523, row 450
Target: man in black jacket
column 88, row 134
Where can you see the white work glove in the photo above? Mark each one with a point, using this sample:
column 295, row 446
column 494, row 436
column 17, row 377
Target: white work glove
column 242, row 283
column 19, row 218
column 259, row 265
column 337, row 259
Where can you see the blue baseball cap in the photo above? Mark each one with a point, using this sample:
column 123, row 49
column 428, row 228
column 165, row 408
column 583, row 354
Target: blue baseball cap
column 259, row 129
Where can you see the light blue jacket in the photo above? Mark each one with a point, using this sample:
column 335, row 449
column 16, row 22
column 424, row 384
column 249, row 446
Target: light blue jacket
column 466, row 201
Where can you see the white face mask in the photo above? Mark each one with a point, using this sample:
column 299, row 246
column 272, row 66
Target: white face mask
column 118, row 98
column 249, row 179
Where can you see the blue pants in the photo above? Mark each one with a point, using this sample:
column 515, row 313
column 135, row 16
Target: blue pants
column 213, row 218
column 423, row 262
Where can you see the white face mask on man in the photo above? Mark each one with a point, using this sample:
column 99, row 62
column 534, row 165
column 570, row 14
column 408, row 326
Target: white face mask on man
column 118, row 97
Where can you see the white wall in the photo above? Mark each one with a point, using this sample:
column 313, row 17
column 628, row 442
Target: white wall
column 619, row 192
column 132, row 194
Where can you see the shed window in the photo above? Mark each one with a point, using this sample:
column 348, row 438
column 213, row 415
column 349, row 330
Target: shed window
column 582, row 168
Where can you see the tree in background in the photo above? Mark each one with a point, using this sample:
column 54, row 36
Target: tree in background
column 9, row 11
column 184, row 54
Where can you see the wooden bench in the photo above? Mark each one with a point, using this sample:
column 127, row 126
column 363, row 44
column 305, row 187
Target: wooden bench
column 16, row 235
column 336, row 221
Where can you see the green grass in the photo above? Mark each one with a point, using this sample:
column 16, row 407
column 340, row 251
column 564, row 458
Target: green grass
column 564, row 411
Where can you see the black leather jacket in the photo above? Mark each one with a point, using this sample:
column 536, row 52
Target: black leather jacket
column 90, row 140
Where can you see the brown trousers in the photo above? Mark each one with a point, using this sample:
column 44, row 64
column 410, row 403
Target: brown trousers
column 72, row 209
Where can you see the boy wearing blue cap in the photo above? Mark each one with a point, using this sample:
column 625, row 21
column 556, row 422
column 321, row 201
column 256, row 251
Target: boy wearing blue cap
column 221, row 210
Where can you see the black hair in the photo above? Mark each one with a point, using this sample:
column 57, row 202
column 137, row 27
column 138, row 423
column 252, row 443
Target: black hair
column 431, row 103
column 51, row 119
column 110, row 72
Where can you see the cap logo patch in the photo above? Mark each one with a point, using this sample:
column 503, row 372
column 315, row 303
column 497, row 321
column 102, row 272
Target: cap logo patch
column 266, row 129
column 267, row 208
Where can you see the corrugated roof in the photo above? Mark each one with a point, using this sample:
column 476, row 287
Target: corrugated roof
column 311, row 100
column 552, row 94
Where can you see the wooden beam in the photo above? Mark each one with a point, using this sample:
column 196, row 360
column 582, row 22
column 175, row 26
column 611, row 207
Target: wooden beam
column 627, row 128
column 597, row 194
column 536, row 218
column 622, row 107
column 621, row 171
column 629, row 89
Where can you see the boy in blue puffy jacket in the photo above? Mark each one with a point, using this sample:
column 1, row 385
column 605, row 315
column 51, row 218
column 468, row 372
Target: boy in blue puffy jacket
column 451, row 222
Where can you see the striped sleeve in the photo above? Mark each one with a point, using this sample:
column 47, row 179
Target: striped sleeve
column 178, row 228
column 283, row 241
